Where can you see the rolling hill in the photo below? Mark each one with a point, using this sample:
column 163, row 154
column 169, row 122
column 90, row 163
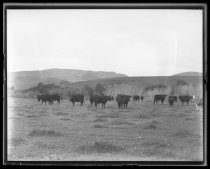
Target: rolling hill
column 26, row 79
column 188, row 74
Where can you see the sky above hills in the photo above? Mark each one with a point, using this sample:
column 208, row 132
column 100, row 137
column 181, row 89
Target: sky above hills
column 132, row 42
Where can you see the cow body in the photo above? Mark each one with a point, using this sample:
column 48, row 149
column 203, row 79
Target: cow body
column 48, row 98
column 171, row 100
column 142, row 98
column 136, row 98
column 159, row 98
column 77, row 98
column 122, row 100
column 185, row 99
column 101, row 100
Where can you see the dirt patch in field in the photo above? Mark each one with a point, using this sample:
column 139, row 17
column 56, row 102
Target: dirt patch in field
column 43, row 133
column 100, row 147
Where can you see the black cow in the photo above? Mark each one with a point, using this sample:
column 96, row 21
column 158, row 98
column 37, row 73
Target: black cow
column 56, row 97
column 159, row 97
column 77, row 98
column 49, row 98
column 142, row 98
column 136, row 97
column 101, row 99
column 185, row 99
column 122, row 100
column 39, row 97
column 111, row 98
column 92, row 100
column 45, row 99
column 171, row 100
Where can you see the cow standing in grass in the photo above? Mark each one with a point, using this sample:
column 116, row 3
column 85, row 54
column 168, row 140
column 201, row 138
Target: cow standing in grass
column 101, row 99
column 171, row 100
column 142, row 98
column 57, row 98
column 159, row 98
column 77, row 98
column 185, row 99
column 122, row 100
column 136, row 98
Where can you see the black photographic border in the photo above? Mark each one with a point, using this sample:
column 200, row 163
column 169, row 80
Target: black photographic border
column 39, row 6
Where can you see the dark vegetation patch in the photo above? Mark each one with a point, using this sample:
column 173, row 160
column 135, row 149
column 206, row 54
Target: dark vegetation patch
column 182, row 133
column 43, row 133
column 158, row 148
column 20, row 114
column 65, row 119
column 47, row 146
column 141, row 116
column 100, row 119
column 100, row 147
column 61, row 114
column 99, row 126
column 121, row 122
column 109, row 116
column 152, row 125
column 191, row 118
column 31, row 116
column 16, row 141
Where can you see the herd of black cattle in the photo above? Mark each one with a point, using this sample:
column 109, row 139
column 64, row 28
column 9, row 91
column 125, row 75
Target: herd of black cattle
column 122, row 100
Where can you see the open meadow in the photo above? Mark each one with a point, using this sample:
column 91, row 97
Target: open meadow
column 143, row 132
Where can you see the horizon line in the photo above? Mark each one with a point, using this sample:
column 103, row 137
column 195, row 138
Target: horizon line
column 102, row 71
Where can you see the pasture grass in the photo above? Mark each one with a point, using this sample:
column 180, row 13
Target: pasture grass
column 55, row 137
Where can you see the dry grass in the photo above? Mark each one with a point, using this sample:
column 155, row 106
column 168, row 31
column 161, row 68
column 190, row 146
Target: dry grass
column 100, row 147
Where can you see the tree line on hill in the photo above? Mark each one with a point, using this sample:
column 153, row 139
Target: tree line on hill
column 64, row 89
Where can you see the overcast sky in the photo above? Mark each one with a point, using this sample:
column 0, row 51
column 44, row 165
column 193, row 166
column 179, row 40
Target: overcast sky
column 134, row 42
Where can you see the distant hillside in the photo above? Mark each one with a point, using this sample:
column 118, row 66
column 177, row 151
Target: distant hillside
column 26, row 79
column 188, row 74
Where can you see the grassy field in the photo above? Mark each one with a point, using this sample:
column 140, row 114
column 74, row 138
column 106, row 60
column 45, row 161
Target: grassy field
column 142, row 132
